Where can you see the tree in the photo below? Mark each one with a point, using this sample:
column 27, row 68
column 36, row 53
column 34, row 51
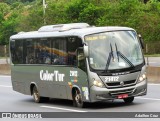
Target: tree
column 26, row 15
column 8, row 29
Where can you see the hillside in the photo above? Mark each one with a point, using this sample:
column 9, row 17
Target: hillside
column 28, row 15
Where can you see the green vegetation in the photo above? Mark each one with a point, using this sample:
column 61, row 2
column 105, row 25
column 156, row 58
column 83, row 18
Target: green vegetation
column 27, row 15
column 152, row 55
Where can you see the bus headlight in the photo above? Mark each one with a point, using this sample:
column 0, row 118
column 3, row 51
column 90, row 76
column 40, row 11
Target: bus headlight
column 142, row 78
column 97, row 83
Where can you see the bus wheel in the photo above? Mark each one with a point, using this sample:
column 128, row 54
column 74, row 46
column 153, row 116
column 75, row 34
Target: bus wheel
column 77, row 99
column 128, row 100
column 36, row 95
column 37, row 98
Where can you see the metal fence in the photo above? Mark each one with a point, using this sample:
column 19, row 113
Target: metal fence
column 152, row 47
column 4, row 60
column 4, row 54
column 4, row 51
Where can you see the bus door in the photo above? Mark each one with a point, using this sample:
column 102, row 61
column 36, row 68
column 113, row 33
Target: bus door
column 82, row 74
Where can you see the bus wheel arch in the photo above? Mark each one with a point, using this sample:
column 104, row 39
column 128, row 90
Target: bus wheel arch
column 77, row 97
column 31, row 88
column 36, row 96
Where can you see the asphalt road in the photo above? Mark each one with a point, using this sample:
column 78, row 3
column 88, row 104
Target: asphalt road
column 11, row 101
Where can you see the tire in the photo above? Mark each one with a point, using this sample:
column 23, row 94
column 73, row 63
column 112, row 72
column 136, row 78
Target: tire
column 77, row 99
column 128, row 100
column 37, row 98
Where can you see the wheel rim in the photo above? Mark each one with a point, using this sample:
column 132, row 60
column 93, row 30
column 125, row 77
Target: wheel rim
column 36, row 95
column 78, row 98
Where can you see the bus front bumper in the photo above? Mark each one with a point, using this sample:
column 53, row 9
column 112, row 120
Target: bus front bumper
column 102, row 94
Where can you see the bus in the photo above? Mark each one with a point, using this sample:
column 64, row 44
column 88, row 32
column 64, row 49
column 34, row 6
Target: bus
column 78, row 62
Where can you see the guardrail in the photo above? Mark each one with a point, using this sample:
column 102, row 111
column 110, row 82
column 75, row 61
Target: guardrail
column 153, row 73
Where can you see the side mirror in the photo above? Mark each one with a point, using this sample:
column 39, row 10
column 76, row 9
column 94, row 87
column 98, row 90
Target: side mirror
column 85, row 49
column 141, row 41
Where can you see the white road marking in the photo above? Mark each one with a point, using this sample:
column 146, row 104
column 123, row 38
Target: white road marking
column 148, row 98
column 66, row 109
column 153, row 84
column 5, row 86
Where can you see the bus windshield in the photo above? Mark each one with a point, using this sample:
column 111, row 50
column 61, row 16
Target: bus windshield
column 114, row 50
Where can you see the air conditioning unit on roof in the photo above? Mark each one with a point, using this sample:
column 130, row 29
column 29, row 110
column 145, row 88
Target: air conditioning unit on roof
column 63, row 27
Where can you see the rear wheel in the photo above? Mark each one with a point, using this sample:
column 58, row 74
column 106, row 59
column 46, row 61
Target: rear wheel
column 128, row 100
column 37, row 98
column 77, row 99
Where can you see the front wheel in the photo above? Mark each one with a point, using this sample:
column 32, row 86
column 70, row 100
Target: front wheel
column 77, row 99
column 128, row 100
column 37, row 98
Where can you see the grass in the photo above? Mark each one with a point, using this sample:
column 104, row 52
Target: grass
column 2, row 57
column 152, row 55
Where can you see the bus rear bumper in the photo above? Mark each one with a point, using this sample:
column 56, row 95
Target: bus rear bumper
column 103, row 94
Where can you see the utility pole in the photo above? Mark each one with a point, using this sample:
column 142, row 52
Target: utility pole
column 44, row 11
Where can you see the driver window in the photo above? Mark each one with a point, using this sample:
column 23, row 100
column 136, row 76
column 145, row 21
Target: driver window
column 81, row 59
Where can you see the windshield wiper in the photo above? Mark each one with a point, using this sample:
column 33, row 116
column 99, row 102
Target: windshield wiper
column 126, row 59
column 123, row 57
column 117, row 52
column 109, row 58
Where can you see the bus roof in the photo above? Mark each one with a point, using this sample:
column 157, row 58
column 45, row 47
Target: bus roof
column 73, row 31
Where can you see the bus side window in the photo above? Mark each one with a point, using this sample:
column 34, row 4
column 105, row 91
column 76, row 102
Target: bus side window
column 58, row 51
column 13, row 51
column 81, row 63
column 17, row 51
column 73, row 44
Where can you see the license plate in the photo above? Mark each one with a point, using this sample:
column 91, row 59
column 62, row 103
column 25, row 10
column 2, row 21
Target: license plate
column 122, row 96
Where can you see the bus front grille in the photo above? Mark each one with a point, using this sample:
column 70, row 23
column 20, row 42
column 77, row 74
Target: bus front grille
column 119, row 92
column 119, row 85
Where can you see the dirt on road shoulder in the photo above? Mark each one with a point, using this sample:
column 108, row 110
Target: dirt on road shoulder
column 153, row 74
column 5, row 69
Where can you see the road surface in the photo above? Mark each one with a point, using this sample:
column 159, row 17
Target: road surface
column 12, row 101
